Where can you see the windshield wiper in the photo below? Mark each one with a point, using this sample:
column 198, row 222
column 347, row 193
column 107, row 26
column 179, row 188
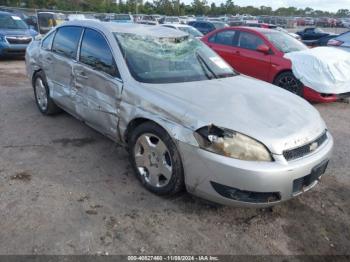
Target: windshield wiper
column 205, row 67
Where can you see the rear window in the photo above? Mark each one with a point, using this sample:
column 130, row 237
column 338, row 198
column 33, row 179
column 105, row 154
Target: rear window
column 66, row 41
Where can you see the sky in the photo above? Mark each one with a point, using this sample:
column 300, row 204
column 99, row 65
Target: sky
column 325, row 5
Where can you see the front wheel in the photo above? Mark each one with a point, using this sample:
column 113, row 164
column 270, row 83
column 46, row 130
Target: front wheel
column 290, row 83
column 156, row 160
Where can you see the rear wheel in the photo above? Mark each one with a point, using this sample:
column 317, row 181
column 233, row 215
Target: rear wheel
column 290, row 83
column 42, row 95
column 156, row 160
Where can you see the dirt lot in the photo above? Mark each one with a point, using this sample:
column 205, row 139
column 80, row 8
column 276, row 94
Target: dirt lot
column 65, row 189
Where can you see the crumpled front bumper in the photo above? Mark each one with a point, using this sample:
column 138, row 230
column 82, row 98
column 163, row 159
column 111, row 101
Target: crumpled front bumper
column 205, row 170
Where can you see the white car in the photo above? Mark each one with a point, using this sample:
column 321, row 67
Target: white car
column 186, row 28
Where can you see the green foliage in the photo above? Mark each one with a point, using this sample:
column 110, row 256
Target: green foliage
column 168, row 7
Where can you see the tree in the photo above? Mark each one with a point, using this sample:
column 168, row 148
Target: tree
column 343, row 13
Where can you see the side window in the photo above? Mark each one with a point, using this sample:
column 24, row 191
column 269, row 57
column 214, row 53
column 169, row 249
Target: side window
column 224, row 38
column 95, row 52
column 47, row 42
column 207, row 26
column 66, row 41
column 249, row 41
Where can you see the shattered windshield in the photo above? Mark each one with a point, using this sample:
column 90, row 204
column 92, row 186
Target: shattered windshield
column 171, row 60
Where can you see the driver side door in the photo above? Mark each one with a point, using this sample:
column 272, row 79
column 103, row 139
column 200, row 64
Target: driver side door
column 98, row 85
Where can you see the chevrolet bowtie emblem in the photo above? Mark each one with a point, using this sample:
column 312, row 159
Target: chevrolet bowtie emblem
column 313, row 146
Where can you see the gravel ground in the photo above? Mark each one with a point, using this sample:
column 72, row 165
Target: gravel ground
column 66, row 189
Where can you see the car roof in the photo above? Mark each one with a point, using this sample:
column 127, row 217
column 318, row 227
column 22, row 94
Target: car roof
column 137, row 29
column 256, row 29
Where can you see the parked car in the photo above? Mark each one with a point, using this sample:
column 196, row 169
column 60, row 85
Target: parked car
column 171, row 111
column 148, row 20
column 206, row 27
column 322, row 41
column 169, row 20
column 72, row 17
column 259, row 53
column 296, row 36
column 30, row 20
column 122, row 18
column 15, row 35
column 261, row 25
column 185, row 28
column 48, row 20
column 341, row 41
column 312, row 33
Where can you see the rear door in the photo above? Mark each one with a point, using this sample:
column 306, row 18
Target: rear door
column 225, row 44
column 248, row 60
column 98, row 86
column 64, row 56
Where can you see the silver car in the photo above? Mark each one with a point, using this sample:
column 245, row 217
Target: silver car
column 187, row 118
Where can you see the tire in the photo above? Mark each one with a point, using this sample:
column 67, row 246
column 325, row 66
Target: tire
column 42, row 95
column 289, row 82
column 156, row 160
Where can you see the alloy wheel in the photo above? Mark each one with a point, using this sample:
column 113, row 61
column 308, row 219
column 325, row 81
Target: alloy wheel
column 41, row 94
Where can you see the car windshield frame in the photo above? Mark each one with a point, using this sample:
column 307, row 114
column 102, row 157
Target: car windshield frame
column 18, row 23
column 170, row 60
column 289, row 41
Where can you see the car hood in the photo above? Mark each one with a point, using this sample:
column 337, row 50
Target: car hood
column 26, row 32
column 273, row 116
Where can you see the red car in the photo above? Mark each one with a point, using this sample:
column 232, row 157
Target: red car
column 258, row 52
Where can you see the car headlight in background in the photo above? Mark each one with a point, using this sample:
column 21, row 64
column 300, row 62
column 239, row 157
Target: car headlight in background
column 2, row 38
column 231, row 144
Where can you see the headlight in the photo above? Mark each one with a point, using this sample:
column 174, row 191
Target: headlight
column 2, row 38
column 231, row 144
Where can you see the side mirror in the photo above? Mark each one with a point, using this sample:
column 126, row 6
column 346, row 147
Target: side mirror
column 263, row 49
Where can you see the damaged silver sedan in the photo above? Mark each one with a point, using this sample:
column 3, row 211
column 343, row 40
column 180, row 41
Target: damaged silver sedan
column 188, row 119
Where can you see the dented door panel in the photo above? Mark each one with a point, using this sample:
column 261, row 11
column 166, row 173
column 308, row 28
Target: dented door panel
column 62, row 81
column 96, row 96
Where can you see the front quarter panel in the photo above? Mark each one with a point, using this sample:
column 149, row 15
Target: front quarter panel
column 141, row 103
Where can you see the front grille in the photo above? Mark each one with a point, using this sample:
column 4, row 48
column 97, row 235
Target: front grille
column 305, row 149
column 18, row 40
